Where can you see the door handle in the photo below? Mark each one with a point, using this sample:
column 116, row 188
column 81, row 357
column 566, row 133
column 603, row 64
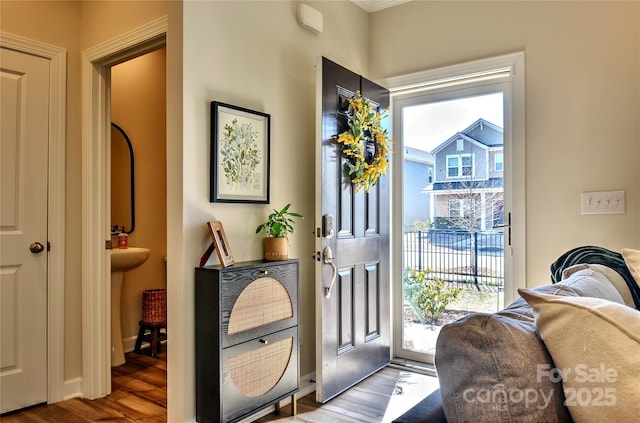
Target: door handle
column 327, row 255
column 36, row 247
column 506, row 225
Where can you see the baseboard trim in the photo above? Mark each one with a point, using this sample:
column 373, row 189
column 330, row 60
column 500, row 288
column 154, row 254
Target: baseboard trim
column 72, row 388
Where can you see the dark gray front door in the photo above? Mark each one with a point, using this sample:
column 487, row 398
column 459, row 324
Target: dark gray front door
column 354, row 328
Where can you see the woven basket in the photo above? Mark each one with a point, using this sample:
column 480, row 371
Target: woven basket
column 154, row 305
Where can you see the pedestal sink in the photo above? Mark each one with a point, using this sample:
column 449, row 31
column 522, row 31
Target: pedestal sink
column 122, row 260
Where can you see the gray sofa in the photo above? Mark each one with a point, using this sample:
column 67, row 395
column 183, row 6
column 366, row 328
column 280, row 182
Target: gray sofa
column 482, row 360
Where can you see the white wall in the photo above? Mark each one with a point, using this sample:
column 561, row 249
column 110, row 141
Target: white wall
column 254, row 55
column 582, row 102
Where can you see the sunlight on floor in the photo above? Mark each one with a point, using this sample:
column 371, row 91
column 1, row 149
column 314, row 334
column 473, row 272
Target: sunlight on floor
column 410, row 389
column 380, row 398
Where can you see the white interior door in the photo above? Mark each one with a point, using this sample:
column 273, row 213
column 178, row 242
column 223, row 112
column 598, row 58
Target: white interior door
column 24, row 137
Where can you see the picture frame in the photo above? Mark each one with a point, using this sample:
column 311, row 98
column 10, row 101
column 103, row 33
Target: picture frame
column 219, row 243
column 240, row 154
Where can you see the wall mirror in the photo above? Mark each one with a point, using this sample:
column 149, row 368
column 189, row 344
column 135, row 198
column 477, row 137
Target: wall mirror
column 123, row 216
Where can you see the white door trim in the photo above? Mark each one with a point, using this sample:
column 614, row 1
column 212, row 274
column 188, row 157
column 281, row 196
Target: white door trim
column 512, row 65
column 96, row 267
column 56, row 205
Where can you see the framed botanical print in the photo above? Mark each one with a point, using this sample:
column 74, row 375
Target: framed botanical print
column 239, row 154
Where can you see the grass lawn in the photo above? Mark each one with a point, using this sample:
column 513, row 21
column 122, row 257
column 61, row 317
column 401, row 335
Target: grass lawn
column 473, row 300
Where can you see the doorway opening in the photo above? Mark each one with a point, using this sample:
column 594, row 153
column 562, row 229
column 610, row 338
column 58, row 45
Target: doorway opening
column 453, row 238
column 460, row 132
column 96, row 194
column 138, row 183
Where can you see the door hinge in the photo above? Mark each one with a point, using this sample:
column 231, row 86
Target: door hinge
column 48, row 246
column 108, row 245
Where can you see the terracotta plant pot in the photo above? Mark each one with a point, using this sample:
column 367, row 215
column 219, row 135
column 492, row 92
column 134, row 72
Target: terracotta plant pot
column 276, row 249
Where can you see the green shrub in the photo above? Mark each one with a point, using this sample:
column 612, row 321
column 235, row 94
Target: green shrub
column 427, row 295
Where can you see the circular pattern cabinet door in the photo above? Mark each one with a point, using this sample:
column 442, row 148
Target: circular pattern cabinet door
column 263, row 301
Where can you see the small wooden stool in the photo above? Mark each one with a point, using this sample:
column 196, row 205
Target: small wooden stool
column 154, row 338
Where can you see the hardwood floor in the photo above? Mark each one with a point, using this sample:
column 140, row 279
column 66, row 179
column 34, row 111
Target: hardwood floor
column 378, row 399
column 139, row 394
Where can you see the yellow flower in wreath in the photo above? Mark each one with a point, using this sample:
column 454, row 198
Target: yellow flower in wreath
column 365, row 143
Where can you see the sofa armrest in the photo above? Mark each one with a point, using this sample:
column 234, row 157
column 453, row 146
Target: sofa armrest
column 428, row 410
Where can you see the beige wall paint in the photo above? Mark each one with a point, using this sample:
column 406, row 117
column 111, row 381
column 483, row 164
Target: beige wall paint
column 58, row 23
column 254, row 54
column 75, row 26
column 582, row 102
column 138, row 106
column 180, row 405
column 103, row 20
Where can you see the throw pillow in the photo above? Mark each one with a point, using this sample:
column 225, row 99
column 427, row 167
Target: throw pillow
column 595, row 345
column 488, row 364
column 592, row 282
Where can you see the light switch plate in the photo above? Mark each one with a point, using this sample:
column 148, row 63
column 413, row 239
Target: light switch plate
column 603, row 202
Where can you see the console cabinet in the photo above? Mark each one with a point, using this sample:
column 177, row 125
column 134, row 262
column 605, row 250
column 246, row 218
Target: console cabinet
column 246, row 319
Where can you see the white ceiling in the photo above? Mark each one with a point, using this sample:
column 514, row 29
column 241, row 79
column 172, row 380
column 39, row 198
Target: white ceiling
column 375, row 5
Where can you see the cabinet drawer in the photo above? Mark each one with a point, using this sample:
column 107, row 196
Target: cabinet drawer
column 259, row 372
column 246, row 318
column 257, row 301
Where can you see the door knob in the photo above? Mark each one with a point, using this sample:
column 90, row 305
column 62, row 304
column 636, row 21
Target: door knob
column 36, row 247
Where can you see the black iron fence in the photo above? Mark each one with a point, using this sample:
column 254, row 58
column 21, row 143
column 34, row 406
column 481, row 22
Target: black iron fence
column 466, row 259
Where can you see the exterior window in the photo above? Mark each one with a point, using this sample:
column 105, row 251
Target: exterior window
column 499, row 162
column 467, row 165
column 459, row 165
column 460, row 208
column 455, row 209
column 430, row 175
column 452, row 166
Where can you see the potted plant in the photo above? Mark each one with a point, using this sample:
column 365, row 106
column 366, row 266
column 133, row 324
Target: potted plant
column 278, row 225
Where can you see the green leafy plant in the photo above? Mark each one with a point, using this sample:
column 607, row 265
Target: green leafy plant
column 427, row 295
column 365, row 126
column 279, row 223
column 420, row 225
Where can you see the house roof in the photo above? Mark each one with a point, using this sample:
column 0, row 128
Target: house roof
column 467, row 185
column 481, row 132
column 418, row 156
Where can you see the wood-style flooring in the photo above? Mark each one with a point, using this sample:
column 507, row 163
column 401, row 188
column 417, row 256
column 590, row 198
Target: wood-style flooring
column 378, row 399
column 139, row 394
